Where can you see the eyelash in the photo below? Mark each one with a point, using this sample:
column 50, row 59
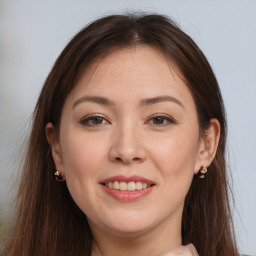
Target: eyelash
column 168, row 119
column 86, row 120
column 92, row 118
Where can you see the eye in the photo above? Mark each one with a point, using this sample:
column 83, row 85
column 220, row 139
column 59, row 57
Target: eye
column 93, row 121
column 162, row 120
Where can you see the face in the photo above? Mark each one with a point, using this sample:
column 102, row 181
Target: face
column 129, row 142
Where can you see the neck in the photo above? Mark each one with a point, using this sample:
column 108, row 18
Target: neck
column 157, row 241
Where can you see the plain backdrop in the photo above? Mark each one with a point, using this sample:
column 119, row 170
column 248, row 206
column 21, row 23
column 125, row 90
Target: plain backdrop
column 33, row 33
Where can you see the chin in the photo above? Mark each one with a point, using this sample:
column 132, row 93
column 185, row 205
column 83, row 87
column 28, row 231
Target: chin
column 127, row 231
column 129, row 224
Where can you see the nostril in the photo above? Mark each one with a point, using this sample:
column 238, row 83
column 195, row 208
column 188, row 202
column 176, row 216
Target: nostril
column 120, row 159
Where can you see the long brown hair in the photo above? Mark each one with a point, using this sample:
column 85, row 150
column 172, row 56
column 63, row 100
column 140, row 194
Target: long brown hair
column 48, row 222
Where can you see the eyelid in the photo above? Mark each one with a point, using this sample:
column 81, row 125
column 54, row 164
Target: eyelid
column 84, row 121
column 90, row 117
column 169, row 118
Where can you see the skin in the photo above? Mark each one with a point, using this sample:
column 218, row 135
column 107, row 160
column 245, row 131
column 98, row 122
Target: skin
column 128, row 140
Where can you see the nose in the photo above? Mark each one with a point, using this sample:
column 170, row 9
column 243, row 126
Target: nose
column 127, row 145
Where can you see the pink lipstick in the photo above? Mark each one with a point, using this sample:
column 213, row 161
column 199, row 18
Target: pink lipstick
column 125, row 188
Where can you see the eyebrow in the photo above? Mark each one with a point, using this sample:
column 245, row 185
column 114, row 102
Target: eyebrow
column 144, row 102
column 150, row 101
column 95, row 99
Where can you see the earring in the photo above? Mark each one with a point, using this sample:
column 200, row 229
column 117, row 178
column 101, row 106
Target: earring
column 201, row 173
column 58, row 176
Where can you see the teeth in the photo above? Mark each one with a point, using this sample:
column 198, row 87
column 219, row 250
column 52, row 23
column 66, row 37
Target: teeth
column 110, row 185
column 124, row 186
column 116, row 185
column 139, row 185
column 131, row 186
column 144, row 185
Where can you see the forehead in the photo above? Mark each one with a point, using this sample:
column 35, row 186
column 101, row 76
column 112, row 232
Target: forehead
column 141, row 71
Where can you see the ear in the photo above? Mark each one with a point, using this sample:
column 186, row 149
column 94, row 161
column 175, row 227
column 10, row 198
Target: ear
column 208, row 145
column 53, row 141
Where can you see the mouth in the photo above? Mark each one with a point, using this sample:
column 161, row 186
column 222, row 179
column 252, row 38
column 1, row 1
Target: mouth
column 127, row 188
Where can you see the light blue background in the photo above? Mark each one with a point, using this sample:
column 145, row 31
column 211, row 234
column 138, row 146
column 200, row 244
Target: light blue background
column 32, row 34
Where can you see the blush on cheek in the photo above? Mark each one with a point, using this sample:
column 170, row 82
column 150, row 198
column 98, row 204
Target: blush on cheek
column 82, row 153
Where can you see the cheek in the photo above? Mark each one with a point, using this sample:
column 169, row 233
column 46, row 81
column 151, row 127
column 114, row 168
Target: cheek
column 81, row 156
column 175, row 156
column 82, row 160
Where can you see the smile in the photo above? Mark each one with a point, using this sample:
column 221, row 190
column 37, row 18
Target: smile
column 126, row 189
column 127, row 186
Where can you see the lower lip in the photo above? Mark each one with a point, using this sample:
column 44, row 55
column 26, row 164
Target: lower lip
column 127, row 196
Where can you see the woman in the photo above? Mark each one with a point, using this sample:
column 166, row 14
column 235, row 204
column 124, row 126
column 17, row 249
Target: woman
column 132, row 124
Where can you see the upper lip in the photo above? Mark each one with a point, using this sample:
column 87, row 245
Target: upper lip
column 127, row 179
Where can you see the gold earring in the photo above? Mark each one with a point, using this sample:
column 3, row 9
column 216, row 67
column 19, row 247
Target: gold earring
column 201, row 173
column 58, row 176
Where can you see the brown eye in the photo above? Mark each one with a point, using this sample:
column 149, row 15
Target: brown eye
column 162, row 120
column 93, row 121
column 158, row 120
column 97, row 120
